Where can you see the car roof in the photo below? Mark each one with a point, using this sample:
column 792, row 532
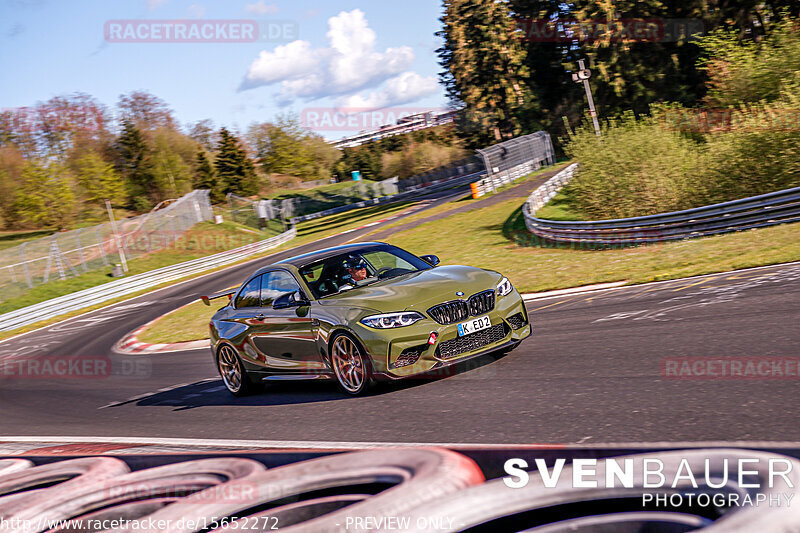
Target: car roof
column 311, row 257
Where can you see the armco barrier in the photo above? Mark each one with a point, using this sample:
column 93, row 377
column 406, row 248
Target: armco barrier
column 754, row 212
column 115, row 289
column 437, row 185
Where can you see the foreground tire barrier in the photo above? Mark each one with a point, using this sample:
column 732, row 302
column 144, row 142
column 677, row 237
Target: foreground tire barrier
column 429, row 489
column 497, row 508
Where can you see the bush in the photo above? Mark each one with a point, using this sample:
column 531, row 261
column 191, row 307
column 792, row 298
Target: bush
column 637, row 167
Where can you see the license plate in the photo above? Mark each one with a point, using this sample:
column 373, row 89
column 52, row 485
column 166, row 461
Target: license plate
column 474, row 325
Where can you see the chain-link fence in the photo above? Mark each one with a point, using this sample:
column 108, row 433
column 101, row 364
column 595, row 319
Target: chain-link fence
column 510, row 160
column 75, row 252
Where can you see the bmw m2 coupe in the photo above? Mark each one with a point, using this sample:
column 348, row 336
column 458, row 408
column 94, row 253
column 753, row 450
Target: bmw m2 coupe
column 358, row 313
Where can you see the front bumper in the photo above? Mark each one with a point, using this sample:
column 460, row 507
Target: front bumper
column 404, row 352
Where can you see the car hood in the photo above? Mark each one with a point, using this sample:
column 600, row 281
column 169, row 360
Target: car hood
column 418, row 291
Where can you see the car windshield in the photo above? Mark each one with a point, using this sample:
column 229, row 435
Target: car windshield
column 359, row 267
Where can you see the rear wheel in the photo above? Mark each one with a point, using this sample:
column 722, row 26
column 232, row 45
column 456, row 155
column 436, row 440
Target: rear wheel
column 232, row 372
column 350, row 365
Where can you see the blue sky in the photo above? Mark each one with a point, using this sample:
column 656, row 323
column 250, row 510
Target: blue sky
column 345, row 54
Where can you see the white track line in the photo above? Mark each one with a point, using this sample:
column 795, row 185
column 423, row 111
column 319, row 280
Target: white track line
column 621, row 285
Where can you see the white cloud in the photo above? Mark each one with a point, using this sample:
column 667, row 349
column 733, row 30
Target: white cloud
column 402, row 89
column 197, row 10
column 153, row 4
column 261, row 8
column 346, row 66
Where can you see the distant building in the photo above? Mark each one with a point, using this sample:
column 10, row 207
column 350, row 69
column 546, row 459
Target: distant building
column 419, row 121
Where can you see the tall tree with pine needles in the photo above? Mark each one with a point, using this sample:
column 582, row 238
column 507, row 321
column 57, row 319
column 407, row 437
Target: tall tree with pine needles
column 484, row 65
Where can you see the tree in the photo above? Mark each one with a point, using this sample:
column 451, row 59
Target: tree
column 146, row 111
column 234, row 168
column 98, row 180
column 136, row 165
column 203, row 133
column 205, row 176
column 45, row 196
column 483, row 68
column 285, row 147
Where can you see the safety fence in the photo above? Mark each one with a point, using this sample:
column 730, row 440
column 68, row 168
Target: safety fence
column 508, row 161
column 778, row 207
column 418, row 489
column 136, row 283
column 74, row 252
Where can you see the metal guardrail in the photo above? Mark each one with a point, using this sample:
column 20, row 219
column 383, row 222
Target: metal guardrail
column 432, row 187
column 769, row 209
column 121, row 287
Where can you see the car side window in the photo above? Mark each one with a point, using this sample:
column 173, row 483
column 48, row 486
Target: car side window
column 381, row 260
column 276, row 284
column 250, row 295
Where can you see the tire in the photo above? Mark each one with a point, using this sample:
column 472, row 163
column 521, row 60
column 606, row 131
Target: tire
column 351, row 366
column 232, row 371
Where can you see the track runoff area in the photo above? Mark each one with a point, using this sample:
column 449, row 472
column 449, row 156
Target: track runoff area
column 666, row 405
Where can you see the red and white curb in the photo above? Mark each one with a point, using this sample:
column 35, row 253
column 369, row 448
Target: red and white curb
column 131, row 345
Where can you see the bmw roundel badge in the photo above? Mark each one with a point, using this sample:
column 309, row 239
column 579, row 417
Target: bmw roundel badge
column 459, row 293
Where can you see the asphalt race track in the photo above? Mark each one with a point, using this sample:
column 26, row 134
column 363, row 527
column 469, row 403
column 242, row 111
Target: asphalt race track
column 595, row 371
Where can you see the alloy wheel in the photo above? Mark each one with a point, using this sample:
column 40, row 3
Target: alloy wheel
column 348, row 364
column 230, row 368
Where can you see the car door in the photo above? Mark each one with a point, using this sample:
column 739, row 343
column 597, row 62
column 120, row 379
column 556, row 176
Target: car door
column 247, row 314
column 284, row 338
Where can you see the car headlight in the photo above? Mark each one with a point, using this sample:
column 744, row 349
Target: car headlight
column 392, row 320
column 504, row 287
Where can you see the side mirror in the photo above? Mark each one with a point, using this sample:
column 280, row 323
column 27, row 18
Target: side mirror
column 290, row 299
column 431, row 259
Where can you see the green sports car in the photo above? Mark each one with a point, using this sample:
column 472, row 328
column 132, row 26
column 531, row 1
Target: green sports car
column 359, row 313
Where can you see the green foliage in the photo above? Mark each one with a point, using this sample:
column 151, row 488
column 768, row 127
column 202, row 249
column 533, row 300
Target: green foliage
column 205, row 176
column 750, row 72
column 418, row 158
column 98, row 180
column 135, row 162
column 636, row 168
column 171, row 175
column 285, row 147
column 45, row 196
column 484, row 65
column 758, row 153
column 234, row 168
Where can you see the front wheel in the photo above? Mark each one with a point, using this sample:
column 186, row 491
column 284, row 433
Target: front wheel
column 232, row 372
column 350, row 365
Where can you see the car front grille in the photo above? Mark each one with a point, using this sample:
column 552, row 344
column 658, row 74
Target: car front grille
column 407, row 357
column 458, row 310
column 481, row 303
column 450, row 312
column 472, row 342
column 516, row 321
